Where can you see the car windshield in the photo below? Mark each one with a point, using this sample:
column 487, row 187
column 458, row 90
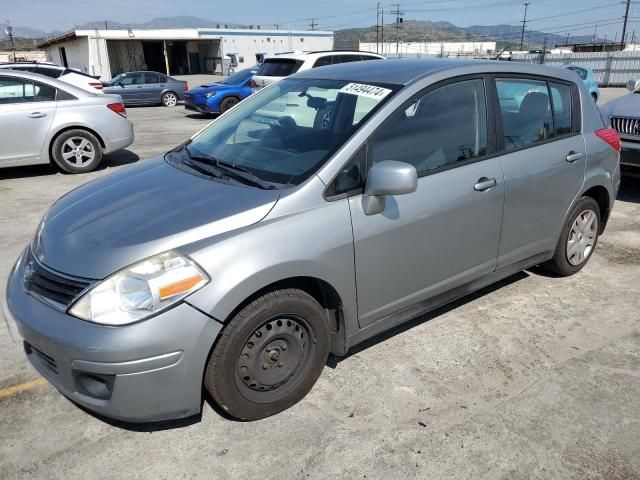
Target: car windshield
column 239, row 77
column 283, row 134
column 116, row 79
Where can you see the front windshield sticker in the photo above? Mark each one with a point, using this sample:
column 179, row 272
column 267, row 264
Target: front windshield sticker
column 369, row 91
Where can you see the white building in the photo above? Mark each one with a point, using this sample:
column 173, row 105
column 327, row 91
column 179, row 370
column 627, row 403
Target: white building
column 176, row 51
column 445, row 49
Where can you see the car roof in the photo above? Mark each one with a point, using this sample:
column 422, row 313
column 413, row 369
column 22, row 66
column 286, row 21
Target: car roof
column 67, row 87
column 305, row 55
column 30, row 64
column 405, row 71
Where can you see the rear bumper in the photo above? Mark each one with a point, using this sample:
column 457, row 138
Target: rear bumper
column 119, row 135
column 148, row 371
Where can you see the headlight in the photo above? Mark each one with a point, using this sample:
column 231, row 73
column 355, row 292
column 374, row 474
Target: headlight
column 210, row 94
column 141, row 290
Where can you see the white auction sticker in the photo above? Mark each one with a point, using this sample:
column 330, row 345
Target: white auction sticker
column 370, row 91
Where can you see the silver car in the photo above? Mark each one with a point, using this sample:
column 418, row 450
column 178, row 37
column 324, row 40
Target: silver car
column 45, row 120
column 238, row 261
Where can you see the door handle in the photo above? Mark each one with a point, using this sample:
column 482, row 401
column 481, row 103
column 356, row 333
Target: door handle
column 573, row 156
column 484, row 183
column 37, row 115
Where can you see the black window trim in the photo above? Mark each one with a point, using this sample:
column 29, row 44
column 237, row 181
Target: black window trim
column 576, row 109
column 491, row 101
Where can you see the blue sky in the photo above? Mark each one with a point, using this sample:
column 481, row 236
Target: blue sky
column 556, row 16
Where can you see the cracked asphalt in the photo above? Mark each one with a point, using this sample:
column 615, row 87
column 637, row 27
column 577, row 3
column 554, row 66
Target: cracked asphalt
column 535, row 377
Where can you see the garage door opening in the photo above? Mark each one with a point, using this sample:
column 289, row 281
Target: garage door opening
column 182, row 56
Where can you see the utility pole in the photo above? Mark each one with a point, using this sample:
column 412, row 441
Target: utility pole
column 624, row 25
column 378, row 27
column 524, row 23
column 398, row 22
column 277, row 25
column 544, row 51
column 8, row 30
column 382, row 28
column 313, row 24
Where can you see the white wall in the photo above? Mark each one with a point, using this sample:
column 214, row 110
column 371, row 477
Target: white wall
column 431, row 48
column 77, row 51
column 246, row 46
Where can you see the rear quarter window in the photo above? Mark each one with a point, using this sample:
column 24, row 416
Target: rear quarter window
column 278, row 67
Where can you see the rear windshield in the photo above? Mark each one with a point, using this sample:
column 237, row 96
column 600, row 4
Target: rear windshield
column 580, row 71
column 278, row 67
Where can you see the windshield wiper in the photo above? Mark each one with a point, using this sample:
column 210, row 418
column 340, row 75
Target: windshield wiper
column 234, row 171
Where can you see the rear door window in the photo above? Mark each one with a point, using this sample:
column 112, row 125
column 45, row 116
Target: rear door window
column 279, row 67
column 348, row 58
column 526, row 112
column 151, row 78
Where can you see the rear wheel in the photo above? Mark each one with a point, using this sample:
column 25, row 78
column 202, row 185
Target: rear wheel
column 76, row 151
column 578, row 239
column 228, row 103
column 269, row 355
column 169, row 99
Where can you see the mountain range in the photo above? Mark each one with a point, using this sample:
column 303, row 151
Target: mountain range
column 410, row 31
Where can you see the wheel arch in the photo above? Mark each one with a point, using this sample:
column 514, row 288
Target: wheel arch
column 601, row 195
column 322, row 291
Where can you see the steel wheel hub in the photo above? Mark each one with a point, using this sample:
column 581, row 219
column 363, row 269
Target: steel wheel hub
column 273, row 354
column 582, row 237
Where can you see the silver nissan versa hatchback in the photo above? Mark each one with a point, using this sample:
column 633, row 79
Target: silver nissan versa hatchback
column 329, row 207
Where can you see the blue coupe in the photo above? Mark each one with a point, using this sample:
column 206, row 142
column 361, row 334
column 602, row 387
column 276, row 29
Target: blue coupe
column 220, row 96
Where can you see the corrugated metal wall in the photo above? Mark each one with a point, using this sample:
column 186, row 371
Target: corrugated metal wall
column 611, row 69
column 125, row 56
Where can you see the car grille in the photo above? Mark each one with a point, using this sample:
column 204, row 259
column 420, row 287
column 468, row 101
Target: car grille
column 629, row 126
column 188, row 95
column 53, row 288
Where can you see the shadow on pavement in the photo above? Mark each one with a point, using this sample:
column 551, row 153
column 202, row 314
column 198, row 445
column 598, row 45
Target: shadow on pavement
column 115, row 159
column 333, row 361
column 629, row 189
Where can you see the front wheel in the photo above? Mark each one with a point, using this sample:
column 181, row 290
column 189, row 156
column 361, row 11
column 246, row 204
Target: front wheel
column 169, row 99
column 578, row 239
column 269, row 355
column 228, row 103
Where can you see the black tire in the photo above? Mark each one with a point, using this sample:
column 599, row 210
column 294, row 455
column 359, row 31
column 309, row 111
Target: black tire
column 169, row 99
column 561, row 264
column 288, row 331
column 595, row 97
column 228, row 103
column 89, row 154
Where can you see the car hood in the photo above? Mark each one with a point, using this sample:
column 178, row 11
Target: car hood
column 213, row 87
column 625, row 106
column 139, row 211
